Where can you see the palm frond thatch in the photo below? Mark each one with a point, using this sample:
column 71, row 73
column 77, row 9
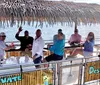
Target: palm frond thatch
column 48, row 11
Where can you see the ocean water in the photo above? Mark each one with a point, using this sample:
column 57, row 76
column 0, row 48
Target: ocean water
column 49, row 31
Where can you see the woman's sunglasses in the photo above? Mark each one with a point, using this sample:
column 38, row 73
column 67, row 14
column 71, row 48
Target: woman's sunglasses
column 90, row 35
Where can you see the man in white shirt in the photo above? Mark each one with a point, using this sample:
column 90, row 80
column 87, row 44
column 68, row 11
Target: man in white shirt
column 3, row 46
column 37, row 48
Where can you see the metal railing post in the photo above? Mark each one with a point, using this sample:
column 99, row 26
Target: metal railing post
column 54, row 73
column 59, row 72
column 80, row 73
column 21, row 70
column 84, row 66
column 70, row 74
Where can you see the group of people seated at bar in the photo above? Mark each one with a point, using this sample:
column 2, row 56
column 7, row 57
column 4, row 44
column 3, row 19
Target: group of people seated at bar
column 36, row 45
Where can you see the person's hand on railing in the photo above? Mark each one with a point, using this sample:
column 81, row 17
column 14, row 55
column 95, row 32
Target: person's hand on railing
column 9, row 47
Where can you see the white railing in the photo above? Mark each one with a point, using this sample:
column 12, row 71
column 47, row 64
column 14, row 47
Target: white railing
column 57, row 71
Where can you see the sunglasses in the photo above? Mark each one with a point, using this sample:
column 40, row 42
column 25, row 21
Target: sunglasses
column 90, row 35
column 3, row 36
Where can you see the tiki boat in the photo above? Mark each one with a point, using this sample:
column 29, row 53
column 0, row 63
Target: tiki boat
column 20, row 70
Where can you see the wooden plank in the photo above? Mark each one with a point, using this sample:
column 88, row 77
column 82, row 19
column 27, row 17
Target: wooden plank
column 32, row 78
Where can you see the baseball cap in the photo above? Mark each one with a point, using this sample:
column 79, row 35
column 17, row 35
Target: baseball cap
column 2, row 34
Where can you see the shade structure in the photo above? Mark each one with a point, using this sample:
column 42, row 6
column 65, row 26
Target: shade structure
column 51, row 12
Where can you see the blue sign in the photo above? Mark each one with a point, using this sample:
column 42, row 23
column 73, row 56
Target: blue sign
column 10, row 79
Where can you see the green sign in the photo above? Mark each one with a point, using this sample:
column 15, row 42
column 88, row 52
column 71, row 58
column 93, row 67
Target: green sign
column 10, row 79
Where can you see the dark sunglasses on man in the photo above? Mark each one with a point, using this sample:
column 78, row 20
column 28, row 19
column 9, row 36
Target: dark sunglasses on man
column 3, row 36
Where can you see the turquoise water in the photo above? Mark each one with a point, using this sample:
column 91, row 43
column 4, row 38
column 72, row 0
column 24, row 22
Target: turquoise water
column 49, row 31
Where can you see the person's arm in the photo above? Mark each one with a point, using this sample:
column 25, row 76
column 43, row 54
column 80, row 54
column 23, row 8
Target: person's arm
column 8, row 48
column 17, row 34
column 51, row 48
column 55, row 38
column 89, row 42
column 88, row 39
column 4, row 47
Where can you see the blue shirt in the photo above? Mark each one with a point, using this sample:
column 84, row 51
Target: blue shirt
column 88, row 46
column 58, row 47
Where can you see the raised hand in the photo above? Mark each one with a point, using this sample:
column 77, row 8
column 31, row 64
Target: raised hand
column 20, row 29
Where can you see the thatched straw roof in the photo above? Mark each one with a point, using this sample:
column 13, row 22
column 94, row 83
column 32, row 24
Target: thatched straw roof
column 49, row 11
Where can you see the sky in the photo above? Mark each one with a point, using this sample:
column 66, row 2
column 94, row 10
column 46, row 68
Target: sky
column 86, row 1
